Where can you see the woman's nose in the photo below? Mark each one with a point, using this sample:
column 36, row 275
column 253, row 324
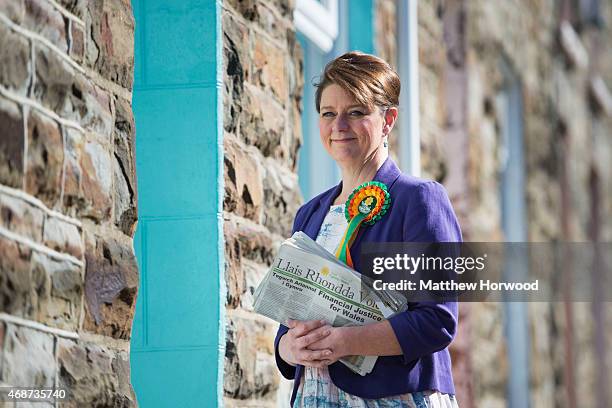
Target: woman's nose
column 341, row 123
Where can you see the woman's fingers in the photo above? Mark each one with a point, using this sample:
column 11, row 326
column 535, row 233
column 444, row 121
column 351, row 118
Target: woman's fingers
column 314, row 336
column 300, row 336
column 314, row 358
column 300, row 328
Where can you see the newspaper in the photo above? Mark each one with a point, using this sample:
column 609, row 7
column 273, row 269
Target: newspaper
column 306, row 282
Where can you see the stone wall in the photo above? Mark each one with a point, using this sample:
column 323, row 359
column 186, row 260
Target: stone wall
column 559, row 66
column 262, row 105
column 68, row 275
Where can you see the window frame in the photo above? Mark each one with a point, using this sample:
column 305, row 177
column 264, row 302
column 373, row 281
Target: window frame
column 318, row 21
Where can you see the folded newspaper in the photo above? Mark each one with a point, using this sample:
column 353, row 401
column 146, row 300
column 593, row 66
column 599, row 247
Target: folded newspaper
column 306, row 282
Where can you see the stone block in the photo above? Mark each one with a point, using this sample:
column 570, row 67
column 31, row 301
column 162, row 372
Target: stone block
column 15, row 57
column 77, row 42
column 29, row 359
column 95, row 375
column 54, row 79
column 271, row 24
column 91, row 107
column 246, row 8
column 56, row 292
column 111, row 285
column 45, row 159
column 11, row 144
column 252, row 241
column 236, row 61
column 234, row 273
column 269, row 67
column 76, row 7
column 96, row 182
column 110, row 46
column 293, row 138
column 44, row 19
column 262, row 121
column 250, row 369
column 243, row 175
column 124, row 213
column 283, row 7
column 21, row 217
column 126, row 204
column 14, row 10
column 253, row 274
column 73, row 198
column 63, row 237
column 282, row 198
column 273, row 19
column 295, row 67
column 15, row 280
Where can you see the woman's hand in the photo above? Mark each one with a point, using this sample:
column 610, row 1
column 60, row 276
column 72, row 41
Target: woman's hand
column 337, row 342
column 294, row 348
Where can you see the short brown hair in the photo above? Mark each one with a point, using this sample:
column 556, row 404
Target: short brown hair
column 369, row 79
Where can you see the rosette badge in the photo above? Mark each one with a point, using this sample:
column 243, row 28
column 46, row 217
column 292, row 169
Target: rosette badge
column 366, row 205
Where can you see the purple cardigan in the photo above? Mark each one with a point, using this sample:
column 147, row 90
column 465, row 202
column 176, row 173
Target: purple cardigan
column 420, row 212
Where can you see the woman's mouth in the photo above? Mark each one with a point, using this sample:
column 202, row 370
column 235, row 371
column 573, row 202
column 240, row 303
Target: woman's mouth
column 343, row 140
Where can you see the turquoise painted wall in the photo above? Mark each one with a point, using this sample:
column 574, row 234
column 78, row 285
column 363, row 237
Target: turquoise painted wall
column 176, row 341
column 361, row 26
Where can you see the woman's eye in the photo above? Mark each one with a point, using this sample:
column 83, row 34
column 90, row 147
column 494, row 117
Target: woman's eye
column 356, row 113
column 328, row 114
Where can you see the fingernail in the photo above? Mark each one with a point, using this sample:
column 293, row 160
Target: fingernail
column 328, row 353
column 327, row 332
column 322, row 321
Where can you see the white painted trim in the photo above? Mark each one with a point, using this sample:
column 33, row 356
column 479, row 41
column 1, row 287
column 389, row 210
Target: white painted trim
column 318, row 22
column 38, row 326
column 220, row 267
column 408, row 66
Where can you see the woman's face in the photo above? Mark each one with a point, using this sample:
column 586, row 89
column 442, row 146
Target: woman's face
column 350, row 132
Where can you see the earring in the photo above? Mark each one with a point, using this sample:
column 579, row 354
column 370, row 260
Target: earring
column 386, row 143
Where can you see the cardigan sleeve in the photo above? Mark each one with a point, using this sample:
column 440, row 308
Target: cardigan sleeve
column 286, row 369
column 427, row 327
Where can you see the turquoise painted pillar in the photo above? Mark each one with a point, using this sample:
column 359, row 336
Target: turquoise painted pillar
column 177, row 339
column 361, row 26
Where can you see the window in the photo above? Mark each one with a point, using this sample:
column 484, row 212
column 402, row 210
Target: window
column 318, row 21
column 323, row 36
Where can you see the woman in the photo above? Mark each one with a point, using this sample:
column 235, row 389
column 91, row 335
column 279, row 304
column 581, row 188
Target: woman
column 357, row 101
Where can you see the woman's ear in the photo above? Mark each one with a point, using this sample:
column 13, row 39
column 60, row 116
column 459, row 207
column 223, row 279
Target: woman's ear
column 390, row 116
